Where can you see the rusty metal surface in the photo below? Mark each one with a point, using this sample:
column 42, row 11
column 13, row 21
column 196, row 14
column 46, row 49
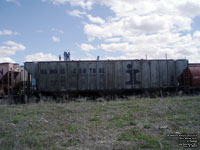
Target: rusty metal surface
column 190, row 76
column 11, row 78
column 194, row 75
column 60, row 76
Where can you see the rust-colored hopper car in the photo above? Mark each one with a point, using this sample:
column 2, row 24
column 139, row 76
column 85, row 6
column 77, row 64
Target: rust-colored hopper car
column 190, row 76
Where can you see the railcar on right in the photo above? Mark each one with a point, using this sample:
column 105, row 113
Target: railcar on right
column 190, row 77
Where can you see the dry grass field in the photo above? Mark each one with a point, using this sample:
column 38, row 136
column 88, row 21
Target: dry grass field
column 121, row 124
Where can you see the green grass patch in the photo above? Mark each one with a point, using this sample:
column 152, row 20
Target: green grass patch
column 95, row 118
column 71, row 128
column 145, row 140
column 122, row 120
column 132, row 122
column 123, row 124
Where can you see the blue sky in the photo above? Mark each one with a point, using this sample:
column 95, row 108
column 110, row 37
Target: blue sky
column 41, row 30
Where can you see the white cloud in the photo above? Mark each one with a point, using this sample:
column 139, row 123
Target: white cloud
column 95, row 31
column 114, row 58
column 86, row 4
column 140, row 27
column 55, row 39
column 57, row 30
column 76, row 13
column 8, row 32
column 116, row 47
column 10, row 48
column 82, row 3
column 145, row 24
column 41, row 57
column 136, row 25
column 95, row 19
column 87, row 47
column 6, row 60
column 89, row 56
column 80, row 14
column 149, row 27
column 56, row 2
column 156, row 46
column 14, row 1
column 190, row 8
column 112, row 40
column 196, row 34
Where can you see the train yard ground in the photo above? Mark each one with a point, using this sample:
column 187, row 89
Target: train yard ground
column 122, row 124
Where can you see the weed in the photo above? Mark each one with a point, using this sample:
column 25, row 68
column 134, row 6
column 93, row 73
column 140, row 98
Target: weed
column 136, row 108
column 132, row 122
column 116, row 117
column 71, row 128
column 136, row 135
column 123, row 120
column 147, row 126
column 182, row 112
column 71, row 142
column 96, row 118
column 131, row 148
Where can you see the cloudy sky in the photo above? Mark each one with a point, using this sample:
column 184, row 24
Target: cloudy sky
column 34, row 30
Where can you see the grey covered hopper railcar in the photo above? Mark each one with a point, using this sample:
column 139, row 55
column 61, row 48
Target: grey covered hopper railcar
column 105, row 75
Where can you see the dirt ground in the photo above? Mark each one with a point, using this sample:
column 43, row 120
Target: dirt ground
column 121, row 124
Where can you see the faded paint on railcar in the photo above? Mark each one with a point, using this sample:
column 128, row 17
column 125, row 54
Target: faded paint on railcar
column 145, row 75
column 110, row 67
column 92, row 76
column 163, row 73
column 154, row 69
column 118, row 70
column 32, row 68
column 171, row 73
column 132, row 74
column 83, row 76
column 180, row 66
column 62, row 76
column 43, row 76
column 128, row 74
column 101, row 76
column 72, row 76
column 136, row 74
column 105, row 75
column 53, row 80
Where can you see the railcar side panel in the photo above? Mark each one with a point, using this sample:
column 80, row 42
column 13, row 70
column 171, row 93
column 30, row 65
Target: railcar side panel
column 82, row 76
column 145, row 74
column 105, row 75
column 101, row 76
column 42, row 77
column 136, row 74
column 163, row 72
column 62, row 76
column 171, row 73
column 72, row 76
column 32, row 68
column 180, row 66
column 92, row 76
column 110, row 66
column 52, row 78
column 128, row 74
column 118, row 75
column 154, row 68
